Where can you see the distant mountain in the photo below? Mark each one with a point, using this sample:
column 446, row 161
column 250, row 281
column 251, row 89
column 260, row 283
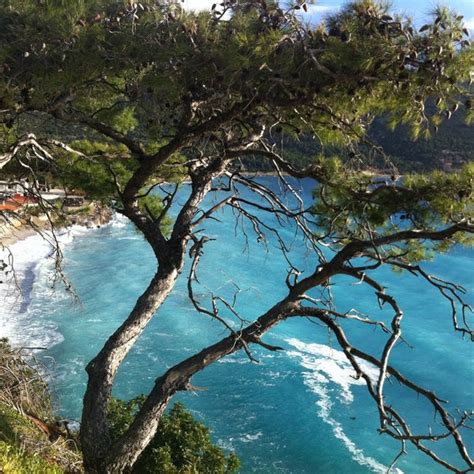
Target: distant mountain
column 447, row 149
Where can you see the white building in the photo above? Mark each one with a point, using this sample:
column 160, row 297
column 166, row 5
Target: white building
column 13, row 187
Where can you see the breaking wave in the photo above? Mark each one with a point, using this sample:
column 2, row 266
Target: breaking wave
column 327, row 368
column 32, row 261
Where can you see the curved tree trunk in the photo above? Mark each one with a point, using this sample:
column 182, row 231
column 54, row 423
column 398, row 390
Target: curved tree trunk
column 95, row 439
column 126, row 450
column 103, row 368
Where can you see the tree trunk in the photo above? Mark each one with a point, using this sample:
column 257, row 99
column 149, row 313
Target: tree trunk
column 102, row 369
column 95, row 439
column 126, row 450
column 124, row 453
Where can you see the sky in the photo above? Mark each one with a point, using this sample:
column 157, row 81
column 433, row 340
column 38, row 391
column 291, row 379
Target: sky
column 418, row 10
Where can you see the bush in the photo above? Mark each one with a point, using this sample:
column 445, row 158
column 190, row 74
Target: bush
column 181, row 445
column 25, row 401
column 21, row 385
column 15, row 460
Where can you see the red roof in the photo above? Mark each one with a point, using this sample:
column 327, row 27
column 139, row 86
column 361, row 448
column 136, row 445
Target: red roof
column 15, row 202
column 20, row 199
column 8, row 206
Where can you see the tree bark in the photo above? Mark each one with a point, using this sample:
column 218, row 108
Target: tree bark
column 126, row 450
column 95, row 439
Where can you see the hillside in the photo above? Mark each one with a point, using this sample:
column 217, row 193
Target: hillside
column 447, row 149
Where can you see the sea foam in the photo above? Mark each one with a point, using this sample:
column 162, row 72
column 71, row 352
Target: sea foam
column 326, row 366
column 26, row 258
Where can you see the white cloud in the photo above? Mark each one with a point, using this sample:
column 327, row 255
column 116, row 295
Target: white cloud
column 198, row 5
column 322, row 9
column 469, row 24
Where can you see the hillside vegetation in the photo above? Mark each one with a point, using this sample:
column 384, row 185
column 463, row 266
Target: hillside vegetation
column 448, row 148
column 33, row 441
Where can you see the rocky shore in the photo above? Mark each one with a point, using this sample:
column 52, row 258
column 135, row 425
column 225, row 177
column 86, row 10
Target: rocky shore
column 18, row 228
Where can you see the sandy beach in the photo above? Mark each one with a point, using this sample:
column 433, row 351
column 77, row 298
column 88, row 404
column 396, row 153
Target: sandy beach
column 15, row 234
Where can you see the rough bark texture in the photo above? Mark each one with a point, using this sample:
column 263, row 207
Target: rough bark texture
column 95, row 439
column 103, row 368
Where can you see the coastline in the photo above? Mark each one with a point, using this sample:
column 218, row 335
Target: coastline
column 16, row 234
column 24, row 250
column 18, row 230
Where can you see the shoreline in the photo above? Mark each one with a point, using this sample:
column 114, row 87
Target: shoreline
column 17, row 234
column 18, row 230
column 23, row 251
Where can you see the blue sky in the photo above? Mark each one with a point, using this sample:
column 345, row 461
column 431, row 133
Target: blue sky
column 418, row 10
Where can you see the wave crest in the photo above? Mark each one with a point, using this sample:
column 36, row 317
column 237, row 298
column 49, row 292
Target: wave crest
column 325, row 366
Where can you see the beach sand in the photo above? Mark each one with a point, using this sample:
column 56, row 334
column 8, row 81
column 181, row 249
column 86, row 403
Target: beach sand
column 15, row 234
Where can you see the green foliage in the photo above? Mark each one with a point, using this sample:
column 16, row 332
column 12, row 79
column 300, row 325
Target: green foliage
column 15, row 460
column 98, row 171
column 453, row 139
column 354, row 205
column 122, row 119
column 153, row 206
column 181, row 444
column 94, row 51
column 93, row 54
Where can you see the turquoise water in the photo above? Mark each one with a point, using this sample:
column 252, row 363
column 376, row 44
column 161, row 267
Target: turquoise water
column 299, row 411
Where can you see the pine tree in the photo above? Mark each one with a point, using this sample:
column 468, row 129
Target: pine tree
column 123, row 96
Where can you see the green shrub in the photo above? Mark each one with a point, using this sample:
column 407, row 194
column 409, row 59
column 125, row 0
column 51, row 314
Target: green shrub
column 181, row 445
column 15, row 460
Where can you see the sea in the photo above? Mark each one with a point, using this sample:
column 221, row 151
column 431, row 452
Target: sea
column 300, row 410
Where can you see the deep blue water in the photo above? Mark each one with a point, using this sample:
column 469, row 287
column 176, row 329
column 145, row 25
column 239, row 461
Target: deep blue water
column 298, row 411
